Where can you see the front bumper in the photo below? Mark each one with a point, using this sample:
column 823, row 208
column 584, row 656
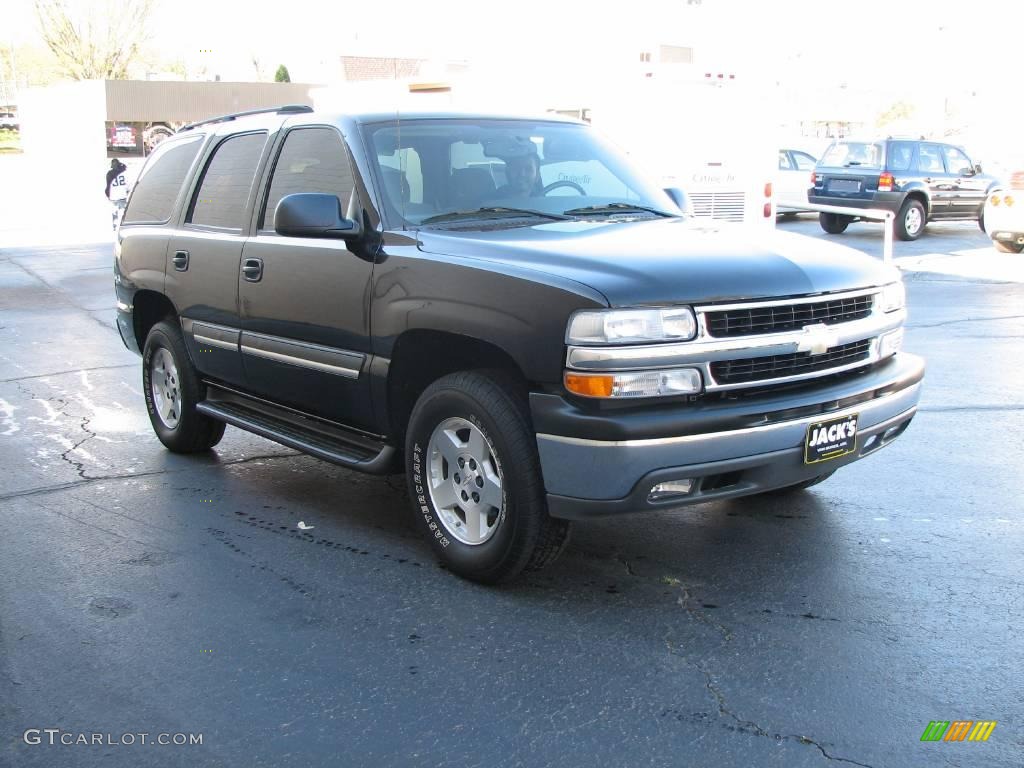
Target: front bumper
column 126, row 327
column 598, row 464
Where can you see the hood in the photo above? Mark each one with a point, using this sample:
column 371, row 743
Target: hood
column 669, row 261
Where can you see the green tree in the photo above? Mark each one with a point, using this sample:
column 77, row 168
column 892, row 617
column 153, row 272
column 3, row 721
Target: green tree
column 282, row 76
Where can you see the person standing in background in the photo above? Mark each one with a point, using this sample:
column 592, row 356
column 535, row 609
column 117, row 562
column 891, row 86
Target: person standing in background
column 117, row 189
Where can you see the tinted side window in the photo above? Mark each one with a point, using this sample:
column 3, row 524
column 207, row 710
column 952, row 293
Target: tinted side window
column 220, row 199
column 804, row 162
column 311, row 160
column 853, row 153
column 956, row 161
column 900, row 155
column 785, row 164
column 157, row 188
column 929, row 159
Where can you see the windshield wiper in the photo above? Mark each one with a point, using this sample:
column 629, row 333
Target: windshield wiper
column 492, row 212
column 616, row 208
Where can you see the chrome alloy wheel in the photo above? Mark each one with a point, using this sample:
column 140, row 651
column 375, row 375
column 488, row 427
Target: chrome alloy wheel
column 165, row 387
column 465, row 481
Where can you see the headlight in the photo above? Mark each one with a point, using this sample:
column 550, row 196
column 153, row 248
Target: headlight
column 625, row 326
column 893, row 297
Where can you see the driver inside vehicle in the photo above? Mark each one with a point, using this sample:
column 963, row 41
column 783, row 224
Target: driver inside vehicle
column 522, row 173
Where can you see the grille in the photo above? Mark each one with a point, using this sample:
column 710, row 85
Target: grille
column 787, row 317
column 779, row 366
column 726, row 206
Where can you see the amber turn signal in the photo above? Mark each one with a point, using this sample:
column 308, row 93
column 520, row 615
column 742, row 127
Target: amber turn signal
column 589, row 386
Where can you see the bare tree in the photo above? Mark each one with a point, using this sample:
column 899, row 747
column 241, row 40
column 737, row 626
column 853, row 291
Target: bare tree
column 94, row 40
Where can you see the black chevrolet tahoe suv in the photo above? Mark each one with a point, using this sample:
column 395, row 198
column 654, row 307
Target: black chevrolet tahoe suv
column 505, row 310
column 917, row 180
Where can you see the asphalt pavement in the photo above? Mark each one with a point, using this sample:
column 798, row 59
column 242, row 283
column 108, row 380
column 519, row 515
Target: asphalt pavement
column 147, row 593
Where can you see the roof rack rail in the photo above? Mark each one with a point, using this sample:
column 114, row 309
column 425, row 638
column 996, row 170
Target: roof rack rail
column 283, row 110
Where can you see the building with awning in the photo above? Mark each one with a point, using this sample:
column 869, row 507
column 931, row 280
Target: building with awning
column 126, row 118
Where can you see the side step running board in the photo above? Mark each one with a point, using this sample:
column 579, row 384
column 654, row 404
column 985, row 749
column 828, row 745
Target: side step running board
column 295, row 435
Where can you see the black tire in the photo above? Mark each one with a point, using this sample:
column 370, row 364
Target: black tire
column 1004, row 247
column 981, row 221
column 911, row 220
column 524, row 536
column 193, row 432
column 833, row 223
column 804, row 484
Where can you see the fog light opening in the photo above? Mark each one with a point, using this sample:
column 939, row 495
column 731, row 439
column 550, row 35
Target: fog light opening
column 670, row 489
column 893, row 432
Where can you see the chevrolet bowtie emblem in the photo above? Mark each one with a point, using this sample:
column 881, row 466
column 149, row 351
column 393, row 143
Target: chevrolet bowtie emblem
column 816, row 339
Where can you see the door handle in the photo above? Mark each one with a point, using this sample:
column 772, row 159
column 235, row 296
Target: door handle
column 180, row 260
column 252, row 270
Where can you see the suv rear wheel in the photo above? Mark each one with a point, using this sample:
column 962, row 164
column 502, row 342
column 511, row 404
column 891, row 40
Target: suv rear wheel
column 172, row 390
column 833, row 223
column 910, row 220
column 475, row 481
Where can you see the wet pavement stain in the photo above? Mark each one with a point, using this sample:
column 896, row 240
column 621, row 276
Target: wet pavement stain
column 110, row 607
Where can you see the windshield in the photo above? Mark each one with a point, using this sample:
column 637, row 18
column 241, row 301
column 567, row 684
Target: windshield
column 855, row 154
column 437, row 171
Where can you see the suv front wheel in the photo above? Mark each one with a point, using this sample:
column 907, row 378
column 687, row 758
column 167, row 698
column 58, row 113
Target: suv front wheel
column 475, row 481
column 910, row 220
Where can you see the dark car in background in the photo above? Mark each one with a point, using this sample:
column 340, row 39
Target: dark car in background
column 916, row 179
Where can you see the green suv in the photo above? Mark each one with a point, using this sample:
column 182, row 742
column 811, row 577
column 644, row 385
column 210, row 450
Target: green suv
column 918, row 180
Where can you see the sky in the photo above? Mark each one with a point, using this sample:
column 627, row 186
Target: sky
column 859, row 42
column 826, row 52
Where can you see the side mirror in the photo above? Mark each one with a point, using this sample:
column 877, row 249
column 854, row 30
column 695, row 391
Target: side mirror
column 308, row 214
column 977, row 168
column 679, row 197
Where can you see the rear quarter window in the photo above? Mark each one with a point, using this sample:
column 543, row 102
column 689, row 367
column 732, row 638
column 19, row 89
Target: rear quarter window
column 853, row 154
column 901, row 153
column 152, row 199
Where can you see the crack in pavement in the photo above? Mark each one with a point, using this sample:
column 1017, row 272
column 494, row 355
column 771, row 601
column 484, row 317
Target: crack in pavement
column 969, row 408
column 66, row 297
column 65, row 373
column 79, row 466
column 625, row 562
column 685, row 600
column 749, row 726
column 90, row 480
column 400, row 488
column 912, row 327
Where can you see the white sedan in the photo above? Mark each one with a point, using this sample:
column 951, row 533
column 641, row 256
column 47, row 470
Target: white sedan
column 793, row 179
column 1004, row 215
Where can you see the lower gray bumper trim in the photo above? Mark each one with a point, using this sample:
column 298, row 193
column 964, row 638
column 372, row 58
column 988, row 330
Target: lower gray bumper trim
column 728, row 478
